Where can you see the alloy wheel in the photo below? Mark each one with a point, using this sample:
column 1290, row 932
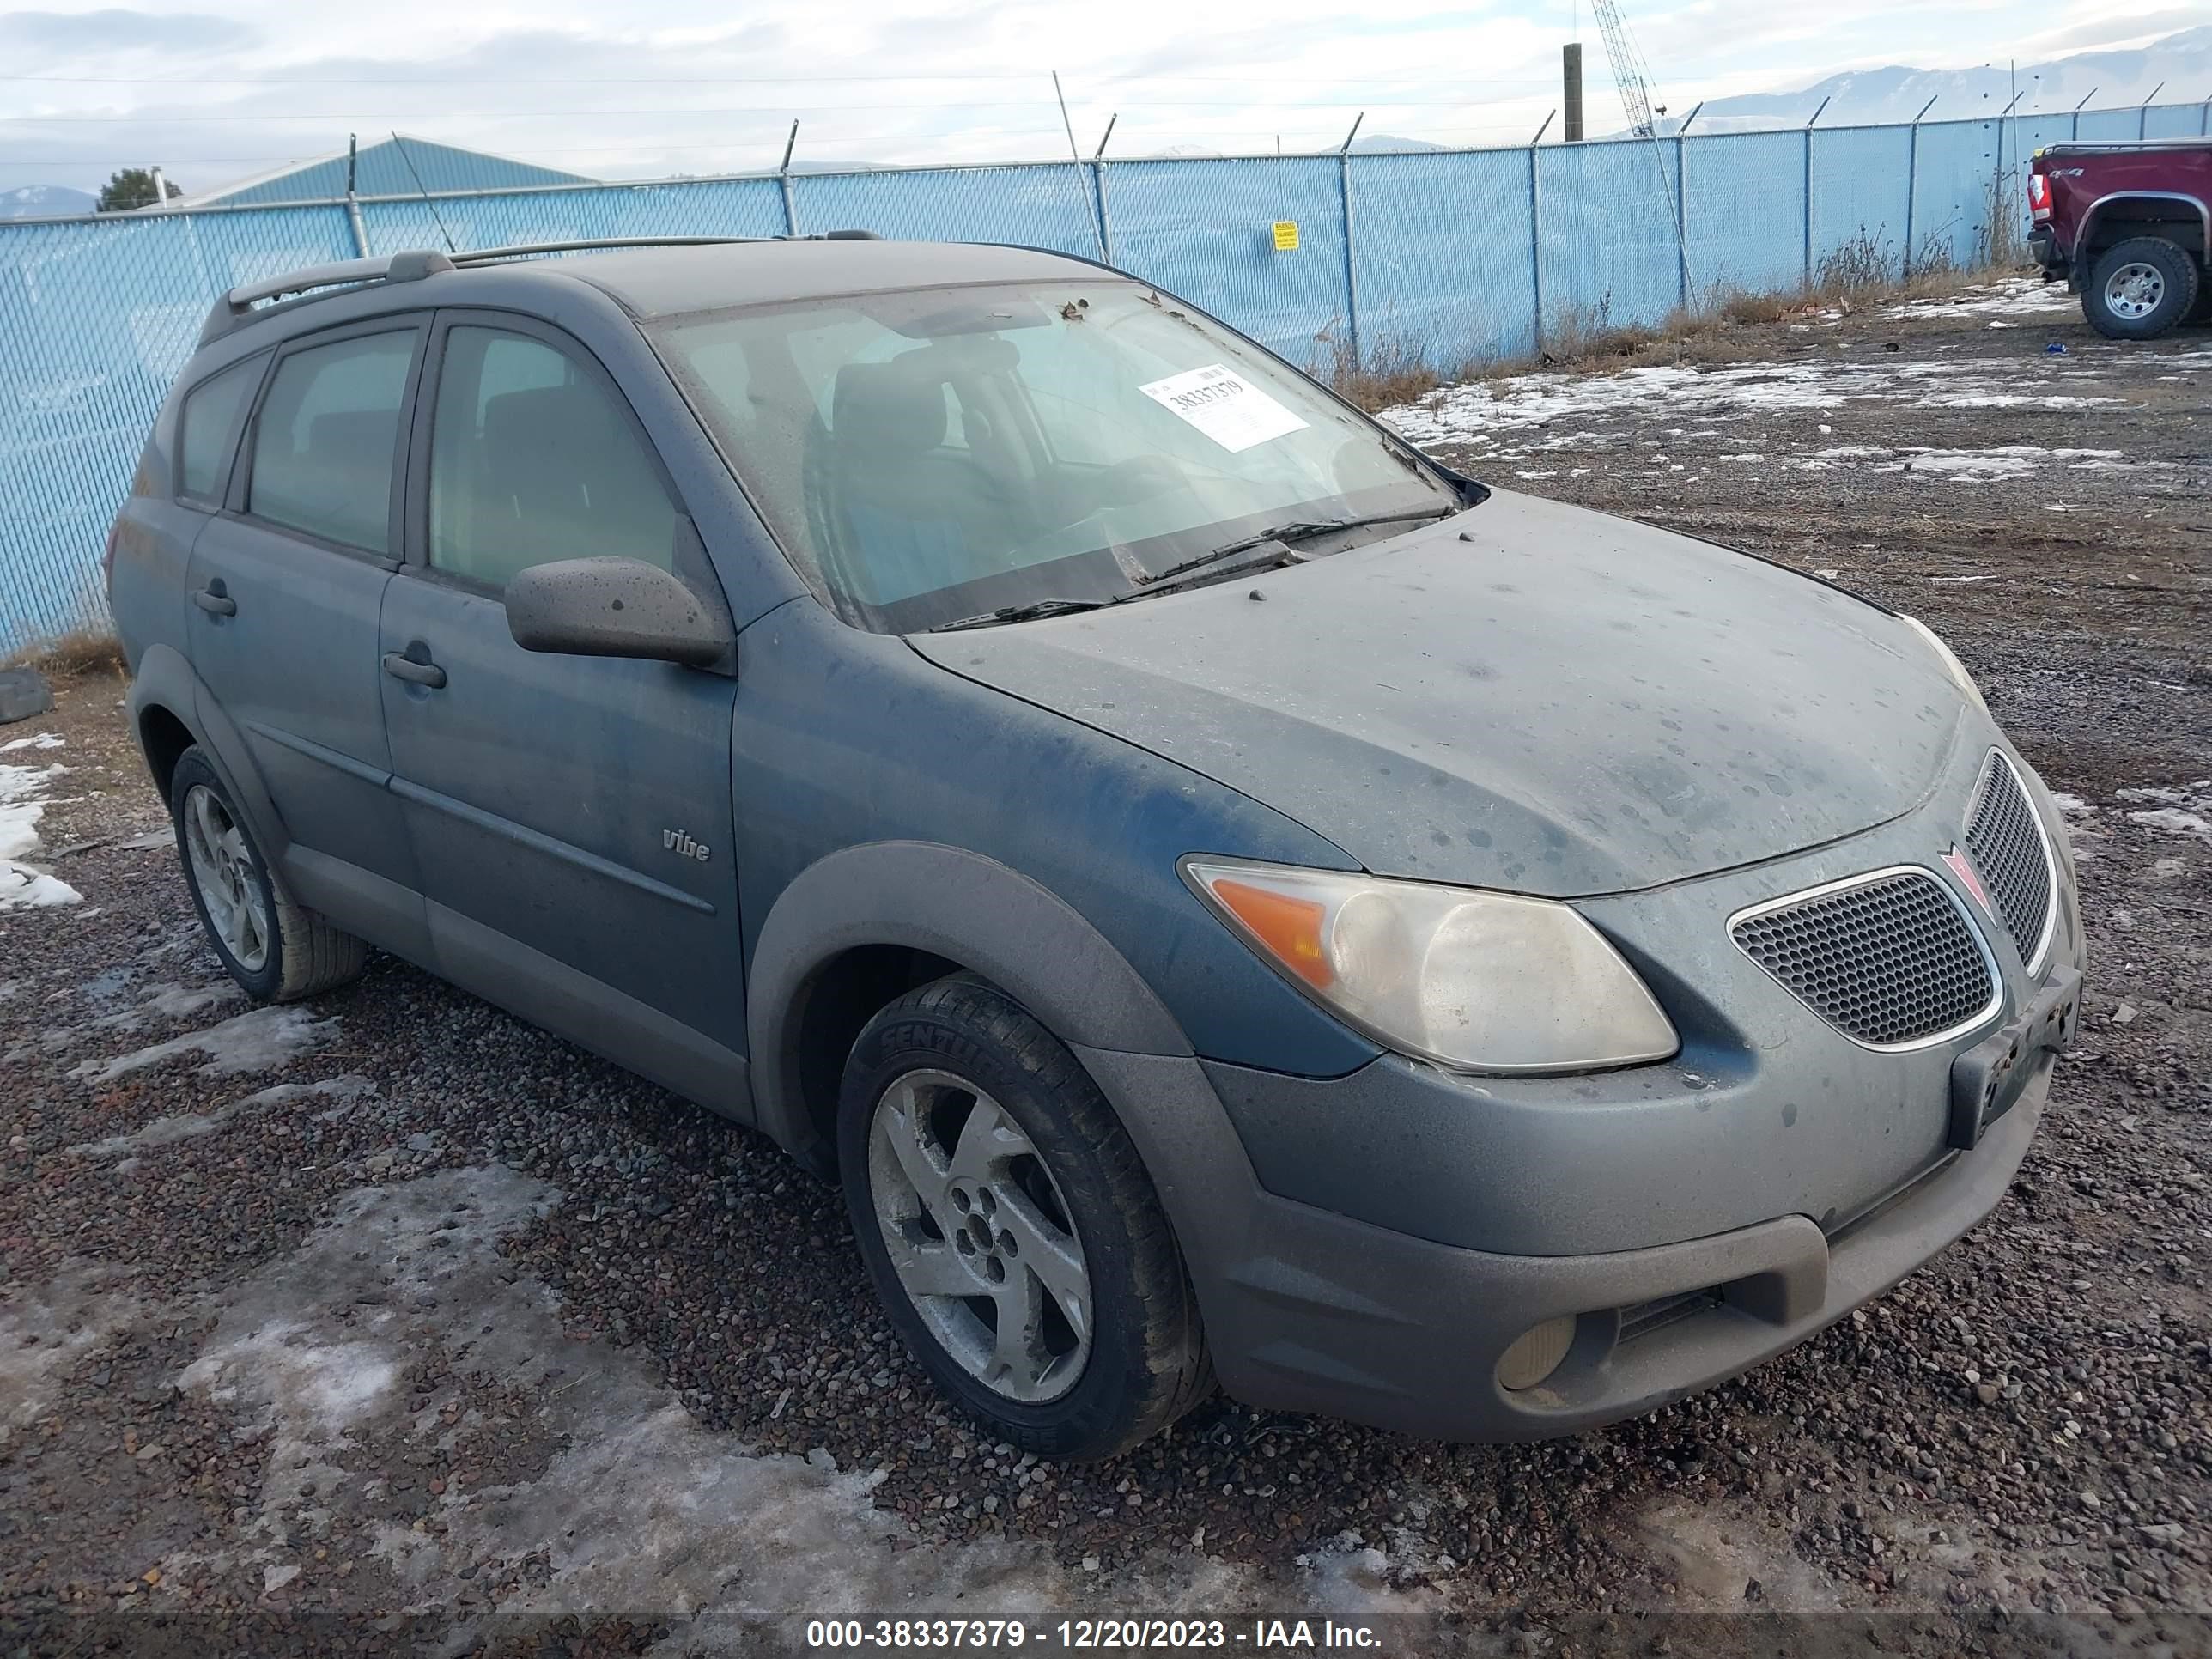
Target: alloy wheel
column 979, row 1237
column 223, row 870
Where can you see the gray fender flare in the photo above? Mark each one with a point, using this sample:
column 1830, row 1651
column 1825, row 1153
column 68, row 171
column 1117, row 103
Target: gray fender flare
column 953, row 903
column 165, row 679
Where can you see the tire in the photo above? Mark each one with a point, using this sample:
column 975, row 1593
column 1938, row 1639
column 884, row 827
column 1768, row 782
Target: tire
column 2140, row 288
column 1049, row 1173
column 274, row 946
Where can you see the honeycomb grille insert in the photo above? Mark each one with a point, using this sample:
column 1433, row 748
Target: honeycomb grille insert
column 2007, row 844
column 1887, row 960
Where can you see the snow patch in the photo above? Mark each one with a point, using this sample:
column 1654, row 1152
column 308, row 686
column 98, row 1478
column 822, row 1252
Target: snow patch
column 642, row 1507
column 252, row 1042
column 1991, row 465
column 22, row 802
column 2015, row 297
column 2179, row 811
column 1712, row 1550
column 2174, row 821
column 44, row 1332
column 1512, row 412
column 191, row 1126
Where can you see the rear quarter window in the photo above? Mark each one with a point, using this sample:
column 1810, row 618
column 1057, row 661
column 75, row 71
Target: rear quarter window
column 208, row 427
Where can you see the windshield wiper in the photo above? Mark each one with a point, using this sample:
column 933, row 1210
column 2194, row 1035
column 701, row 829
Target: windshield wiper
column 1014, row 613
column 1298, row 530
column 1170, row 578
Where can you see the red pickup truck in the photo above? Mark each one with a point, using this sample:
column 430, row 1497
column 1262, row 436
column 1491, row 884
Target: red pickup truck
column 2127, row 227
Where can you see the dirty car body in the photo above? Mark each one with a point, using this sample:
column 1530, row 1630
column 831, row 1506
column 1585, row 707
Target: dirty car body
column 1504, row 967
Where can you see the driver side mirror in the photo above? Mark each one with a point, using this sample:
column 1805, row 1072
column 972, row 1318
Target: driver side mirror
column 614, row 608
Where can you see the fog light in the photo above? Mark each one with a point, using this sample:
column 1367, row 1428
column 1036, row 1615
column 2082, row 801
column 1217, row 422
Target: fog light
column 1536, row 1353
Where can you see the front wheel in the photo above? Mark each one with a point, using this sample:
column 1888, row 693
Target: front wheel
column 2140, row 288
column 1010, row 1229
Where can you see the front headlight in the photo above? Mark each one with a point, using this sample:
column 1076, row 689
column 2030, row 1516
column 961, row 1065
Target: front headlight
column 1948, row 658
column 1477, row 982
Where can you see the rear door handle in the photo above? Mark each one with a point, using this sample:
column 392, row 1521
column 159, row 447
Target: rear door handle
column 416, row 673
column 216, row 603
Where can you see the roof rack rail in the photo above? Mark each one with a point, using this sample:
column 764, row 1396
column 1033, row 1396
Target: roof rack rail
column 239, row 307
column 523, row 250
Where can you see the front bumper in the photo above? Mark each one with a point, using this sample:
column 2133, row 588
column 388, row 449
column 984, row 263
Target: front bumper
column 1307, row 1310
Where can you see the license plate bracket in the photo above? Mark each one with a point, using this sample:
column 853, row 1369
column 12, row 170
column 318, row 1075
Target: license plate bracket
column 1989, row 1077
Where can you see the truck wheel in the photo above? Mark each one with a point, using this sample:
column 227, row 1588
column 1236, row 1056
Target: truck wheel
column 2140, row 288
column 273, row 945
column 1010, row 1229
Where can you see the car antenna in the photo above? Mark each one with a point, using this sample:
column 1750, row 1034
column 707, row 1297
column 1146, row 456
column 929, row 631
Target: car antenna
column 400, row 144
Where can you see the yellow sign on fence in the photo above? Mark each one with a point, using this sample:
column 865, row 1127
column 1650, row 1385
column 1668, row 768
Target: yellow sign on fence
column 1286, row 236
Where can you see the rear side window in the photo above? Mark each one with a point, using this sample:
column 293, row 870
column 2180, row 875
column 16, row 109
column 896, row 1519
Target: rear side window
column 208, row 420
column 532, row 459
column 325, row 439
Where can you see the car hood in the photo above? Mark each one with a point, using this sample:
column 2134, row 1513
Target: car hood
column 1528, row 695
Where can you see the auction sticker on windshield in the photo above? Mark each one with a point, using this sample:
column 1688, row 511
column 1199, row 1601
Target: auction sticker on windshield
column 1224, row 405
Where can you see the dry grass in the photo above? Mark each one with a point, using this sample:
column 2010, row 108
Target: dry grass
column 1395, row 372
column 2002, row 241
column 77, row 654
column 1710, row 330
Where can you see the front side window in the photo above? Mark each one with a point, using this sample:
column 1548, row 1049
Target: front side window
column 207, row 420
column 532, row 459
column 934, row 455
column 326, row 437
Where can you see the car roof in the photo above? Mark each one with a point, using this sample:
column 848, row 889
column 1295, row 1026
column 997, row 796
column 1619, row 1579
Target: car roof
column 648, row 278
column 661, row 282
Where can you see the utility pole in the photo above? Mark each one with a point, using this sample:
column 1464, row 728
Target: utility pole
column 1570, row 72
column 353, row 196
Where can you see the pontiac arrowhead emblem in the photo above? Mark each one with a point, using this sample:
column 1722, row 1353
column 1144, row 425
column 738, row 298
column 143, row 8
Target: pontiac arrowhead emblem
column 1967, row 879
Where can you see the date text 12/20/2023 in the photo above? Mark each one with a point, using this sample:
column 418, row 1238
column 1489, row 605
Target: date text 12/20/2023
column 1089, row 1635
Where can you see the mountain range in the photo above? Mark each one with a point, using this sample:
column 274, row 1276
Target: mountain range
column 2109, row 80
column 43, row 201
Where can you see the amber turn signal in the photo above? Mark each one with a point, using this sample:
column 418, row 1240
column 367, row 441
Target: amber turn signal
column 1291, row 927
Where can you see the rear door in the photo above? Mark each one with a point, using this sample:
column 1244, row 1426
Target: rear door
column 571, row 815
column 283, row 590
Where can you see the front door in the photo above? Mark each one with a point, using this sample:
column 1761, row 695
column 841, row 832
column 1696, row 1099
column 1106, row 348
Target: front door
column 285, row 588
column 570, row 814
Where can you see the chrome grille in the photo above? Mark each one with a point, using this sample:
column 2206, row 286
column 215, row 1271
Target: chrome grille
column 1889, row 959
column 2008, row 848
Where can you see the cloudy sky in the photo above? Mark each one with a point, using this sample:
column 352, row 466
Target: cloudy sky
column 231, row 88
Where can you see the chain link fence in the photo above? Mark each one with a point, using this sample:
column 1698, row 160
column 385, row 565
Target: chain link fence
column 1336, row 261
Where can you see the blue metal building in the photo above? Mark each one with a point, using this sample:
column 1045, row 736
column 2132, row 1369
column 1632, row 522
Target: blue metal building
column 395, row 166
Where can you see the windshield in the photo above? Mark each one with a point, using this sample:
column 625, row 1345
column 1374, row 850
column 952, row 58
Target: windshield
column 938, row 455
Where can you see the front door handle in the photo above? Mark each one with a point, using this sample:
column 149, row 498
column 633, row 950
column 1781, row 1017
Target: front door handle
column 215, row 602
column 416, row 673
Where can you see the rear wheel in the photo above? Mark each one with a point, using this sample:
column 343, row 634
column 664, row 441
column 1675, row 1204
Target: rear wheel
column 2139, row 288
column 1010, row 1229
column 273, row 945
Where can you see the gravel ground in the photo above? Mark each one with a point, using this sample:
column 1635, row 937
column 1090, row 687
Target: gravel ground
column 386, row 1322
